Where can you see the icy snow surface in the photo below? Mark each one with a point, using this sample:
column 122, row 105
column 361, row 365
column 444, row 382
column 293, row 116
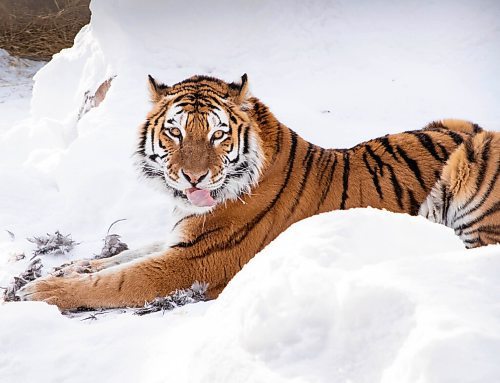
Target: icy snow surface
column 355, row 296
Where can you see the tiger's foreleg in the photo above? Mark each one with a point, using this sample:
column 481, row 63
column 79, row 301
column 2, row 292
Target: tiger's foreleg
column 84, row 266
column 128, row 285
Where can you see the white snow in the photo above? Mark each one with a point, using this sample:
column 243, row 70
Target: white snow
column 15, row 87
column 355, row 296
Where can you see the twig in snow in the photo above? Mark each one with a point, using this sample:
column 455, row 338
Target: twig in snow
column 112, row 244
column 56, row 244
column 30, row 274
column 178, row 298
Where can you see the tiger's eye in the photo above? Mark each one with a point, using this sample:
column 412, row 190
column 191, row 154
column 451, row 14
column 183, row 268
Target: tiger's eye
column 176, row 132
column 218, row 134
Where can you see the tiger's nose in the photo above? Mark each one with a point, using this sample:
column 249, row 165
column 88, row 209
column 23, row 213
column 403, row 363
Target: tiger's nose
column 194, row 177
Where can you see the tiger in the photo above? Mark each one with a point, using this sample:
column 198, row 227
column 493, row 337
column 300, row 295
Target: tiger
column 466, row 198
column 238, row 178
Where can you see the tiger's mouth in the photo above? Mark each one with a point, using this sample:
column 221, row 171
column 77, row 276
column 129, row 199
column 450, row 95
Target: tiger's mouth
column 200, row 197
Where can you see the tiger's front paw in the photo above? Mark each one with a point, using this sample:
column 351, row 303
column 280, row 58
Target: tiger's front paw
column 53, row 290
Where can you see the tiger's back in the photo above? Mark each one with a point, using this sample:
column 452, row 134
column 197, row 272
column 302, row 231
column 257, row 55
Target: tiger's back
column 396, row 172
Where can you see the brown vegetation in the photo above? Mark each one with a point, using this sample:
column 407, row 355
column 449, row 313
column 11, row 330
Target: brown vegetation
column 36, row 29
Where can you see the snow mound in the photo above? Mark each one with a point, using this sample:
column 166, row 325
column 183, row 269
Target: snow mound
column 383, row 302
column 396, row 300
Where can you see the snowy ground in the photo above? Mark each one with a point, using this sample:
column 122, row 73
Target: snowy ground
column 356, row 296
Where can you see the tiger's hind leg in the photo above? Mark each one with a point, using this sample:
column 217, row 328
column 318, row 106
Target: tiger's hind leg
column 467, row 197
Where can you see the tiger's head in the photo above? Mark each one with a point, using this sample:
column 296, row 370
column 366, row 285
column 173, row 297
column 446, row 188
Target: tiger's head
column 200, row 143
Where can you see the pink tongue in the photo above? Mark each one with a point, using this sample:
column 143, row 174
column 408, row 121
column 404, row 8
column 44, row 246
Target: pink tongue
column 199, row 197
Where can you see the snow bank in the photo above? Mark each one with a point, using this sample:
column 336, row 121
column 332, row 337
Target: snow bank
column 16, row 84
column 322, row 303
column 358, row 296
column 328, row 303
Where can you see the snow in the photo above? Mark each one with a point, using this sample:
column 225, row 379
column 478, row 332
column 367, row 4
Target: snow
column 15, row 87
column 355, row 296
column 319, row 304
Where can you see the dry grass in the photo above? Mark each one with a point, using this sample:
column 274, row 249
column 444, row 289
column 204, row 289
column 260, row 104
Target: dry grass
column 36, row 29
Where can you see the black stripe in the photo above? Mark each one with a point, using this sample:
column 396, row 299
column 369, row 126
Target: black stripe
column 182, row 220
column 437, row 175
column 319, row 161
column 143, row 138
column 194, row 241
column 374, row 175
column 493, row 239
column 481, row 173
column 444, row 152
column 326, row 163
column 413, row 165
column 278, row 138
column 398, row 191
column 384, row 141
column 309, row 152
column 161, row 145
column 245, row 140
column 152, row 134
column 414, row 205
column 455, row 136
column 177, row 99
column 490, row 211
column 469, row 149
column 329, row 180
column 122, row 280
column 446, row 196
column 477, row 128
column 307, row 161
column 428, row 144
column 345, row 181
column 484, row 197
column 473, row 241
column 489, row 229
column 377, row 159
column 239, row 145
column 155, row 126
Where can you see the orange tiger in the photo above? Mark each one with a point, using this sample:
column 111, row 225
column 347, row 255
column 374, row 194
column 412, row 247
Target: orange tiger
column 467, row 196
column 239, row 178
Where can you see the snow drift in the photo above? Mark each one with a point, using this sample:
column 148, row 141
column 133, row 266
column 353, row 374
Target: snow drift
column 322, row 303
column 357, row 296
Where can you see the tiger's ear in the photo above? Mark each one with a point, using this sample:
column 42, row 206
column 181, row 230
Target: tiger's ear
column 238, row 91
column 157, row 90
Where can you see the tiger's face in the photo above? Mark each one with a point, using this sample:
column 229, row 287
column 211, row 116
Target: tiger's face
column 199, row 142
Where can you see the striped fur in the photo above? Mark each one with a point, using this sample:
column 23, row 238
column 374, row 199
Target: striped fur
column 264, row 178
column 467, row 196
